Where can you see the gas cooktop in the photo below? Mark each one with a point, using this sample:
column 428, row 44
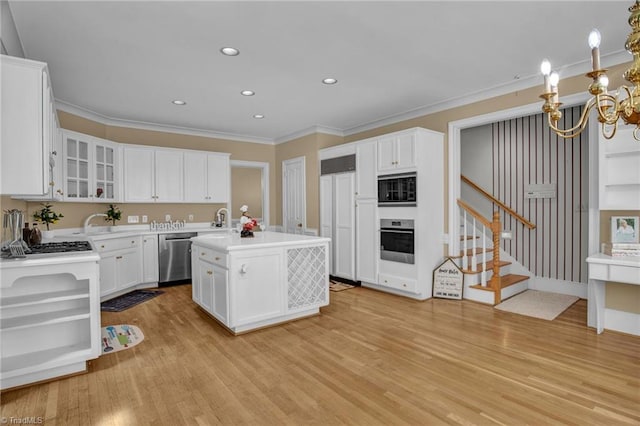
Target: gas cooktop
column 60, row 247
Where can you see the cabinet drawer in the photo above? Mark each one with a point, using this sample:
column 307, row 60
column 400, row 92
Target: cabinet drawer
column 117, row 244
column 212, row 256
column 400, row 283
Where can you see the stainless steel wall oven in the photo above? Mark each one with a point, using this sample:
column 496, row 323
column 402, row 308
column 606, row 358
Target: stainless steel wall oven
column 397, row 240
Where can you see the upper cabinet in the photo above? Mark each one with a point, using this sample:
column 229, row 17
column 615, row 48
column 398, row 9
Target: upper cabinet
column 91, row 167
column 366, row 182
column 206, row 177
column 29, row 127
column 396, row 153
column 152, row 174
column 619, row 172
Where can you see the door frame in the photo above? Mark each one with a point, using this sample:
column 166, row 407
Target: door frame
column 454, row 135
column 285, row 164
column 265, row 185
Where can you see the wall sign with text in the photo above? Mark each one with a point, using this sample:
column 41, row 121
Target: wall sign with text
column 448, row 281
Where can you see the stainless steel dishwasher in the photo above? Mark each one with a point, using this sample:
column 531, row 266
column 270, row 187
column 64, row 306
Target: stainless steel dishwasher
column 174, row 256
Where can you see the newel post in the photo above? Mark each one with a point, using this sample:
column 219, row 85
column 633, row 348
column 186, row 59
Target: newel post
column 496, row 228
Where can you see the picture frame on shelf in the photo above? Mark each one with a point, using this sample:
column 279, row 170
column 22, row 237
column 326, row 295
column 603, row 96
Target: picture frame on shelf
column 624, row 229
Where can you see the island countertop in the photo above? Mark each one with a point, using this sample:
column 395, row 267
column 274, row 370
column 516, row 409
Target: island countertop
column 232, row 241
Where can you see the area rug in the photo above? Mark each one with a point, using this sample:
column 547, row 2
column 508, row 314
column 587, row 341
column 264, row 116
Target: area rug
column 338, row 286
column 538, row 304
column 119, row 337
column 128, row 300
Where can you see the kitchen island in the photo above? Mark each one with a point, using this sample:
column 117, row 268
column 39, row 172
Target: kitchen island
column 250, row 283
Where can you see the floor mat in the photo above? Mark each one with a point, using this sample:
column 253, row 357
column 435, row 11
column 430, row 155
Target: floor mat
column 538, row 304
column 128, row 300
column 119, row 337
column 338, row 286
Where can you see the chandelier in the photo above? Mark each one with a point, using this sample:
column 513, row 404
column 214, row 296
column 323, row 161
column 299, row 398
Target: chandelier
column 610, row 106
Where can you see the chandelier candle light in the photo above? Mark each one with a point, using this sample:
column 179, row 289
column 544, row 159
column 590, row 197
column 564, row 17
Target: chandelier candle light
column 609, row 106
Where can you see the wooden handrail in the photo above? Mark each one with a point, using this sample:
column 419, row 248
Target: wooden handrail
column 502, row 205
column 474, row 213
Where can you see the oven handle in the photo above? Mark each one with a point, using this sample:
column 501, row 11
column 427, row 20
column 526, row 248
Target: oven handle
column 397, row 231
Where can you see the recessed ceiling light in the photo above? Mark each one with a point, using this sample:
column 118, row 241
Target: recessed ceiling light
column 329, row 81
column 178, row 102
column 258, row 116
column 230, row 51
column 248, row 93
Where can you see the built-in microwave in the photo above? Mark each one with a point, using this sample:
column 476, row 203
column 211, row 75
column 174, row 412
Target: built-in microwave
column 397, row 190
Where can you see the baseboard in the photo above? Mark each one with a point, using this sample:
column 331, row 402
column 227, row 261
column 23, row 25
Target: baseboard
column 624, row 322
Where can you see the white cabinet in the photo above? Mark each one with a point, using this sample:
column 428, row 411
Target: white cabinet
column 367, row 244
column 209, row 282
column 337, row 221
column 120, row 264
column 150, row 272
column 397, row 152
column 366, row 176
column 206, row 177
column 619, row 172
column 91, row 167
column 152, row 175
column 28, row 120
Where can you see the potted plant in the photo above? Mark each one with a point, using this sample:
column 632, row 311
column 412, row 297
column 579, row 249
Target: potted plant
column 47, row 216
column 113, row 214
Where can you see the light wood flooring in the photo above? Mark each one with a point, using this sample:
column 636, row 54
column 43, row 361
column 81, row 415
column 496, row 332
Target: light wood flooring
column 370, row 358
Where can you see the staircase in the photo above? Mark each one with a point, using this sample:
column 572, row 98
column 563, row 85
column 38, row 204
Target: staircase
column 486, row 276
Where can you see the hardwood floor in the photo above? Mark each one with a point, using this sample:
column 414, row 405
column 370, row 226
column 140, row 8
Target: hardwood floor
column 370, row 358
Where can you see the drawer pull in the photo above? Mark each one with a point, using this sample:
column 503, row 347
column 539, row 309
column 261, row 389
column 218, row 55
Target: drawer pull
column 102, row 246
column 209, row 272
column 203, row 254
column 217, row 258
column 118, row 257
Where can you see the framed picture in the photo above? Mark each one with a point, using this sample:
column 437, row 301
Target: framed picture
column 624, row 229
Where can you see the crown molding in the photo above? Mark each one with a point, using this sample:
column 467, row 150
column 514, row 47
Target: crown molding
column 309, row 131
column 116, row 122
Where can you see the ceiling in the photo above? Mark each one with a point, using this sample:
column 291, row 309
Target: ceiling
column 128, row 60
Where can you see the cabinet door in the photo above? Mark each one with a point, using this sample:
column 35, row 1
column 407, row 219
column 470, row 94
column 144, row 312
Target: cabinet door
column 344, row 228
column 326, row 213
column 138, row 175
column 108, row 276
column 105, row 166
column 386, row 154
column 195, row 177
column 256, row 287
column 405, row 152
column 366, row 179
column 76, row 167
column 218, row 178
column 128, row 268
column 205, row 284
column 150, row 258
column 367, row 246
column 220, row 304
column 168, row 176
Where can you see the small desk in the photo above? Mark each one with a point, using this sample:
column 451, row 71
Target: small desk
column 602, row 268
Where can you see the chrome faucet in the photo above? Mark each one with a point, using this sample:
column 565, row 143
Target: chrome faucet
column 87, row 225
column 221, row 215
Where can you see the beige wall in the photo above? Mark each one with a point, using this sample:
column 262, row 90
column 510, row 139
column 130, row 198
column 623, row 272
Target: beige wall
column 246, row 187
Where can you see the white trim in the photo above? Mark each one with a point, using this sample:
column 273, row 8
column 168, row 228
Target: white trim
column 265, row 185
column 624, row 322
column 551, row 285
column 303, row 161
column 308, row 131
column 454, row 129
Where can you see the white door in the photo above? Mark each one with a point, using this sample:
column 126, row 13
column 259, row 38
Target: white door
column 294, row 196
column 368, row 248
column 344, row 225
column 326, row 214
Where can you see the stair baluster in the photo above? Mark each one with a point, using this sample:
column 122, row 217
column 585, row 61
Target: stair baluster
column 483, row 275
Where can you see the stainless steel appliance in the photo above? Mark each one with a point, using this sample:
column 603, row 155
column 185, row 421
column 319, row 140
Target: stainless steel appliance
column 174, row 256
column 13, row 244
column 397, row 190
column 397, row 240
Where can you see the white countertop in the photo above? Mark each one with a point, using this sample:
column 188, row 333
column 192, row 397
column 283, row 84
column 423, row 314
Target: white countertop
column 614, row 260
column 50, row 259
column 233, row 241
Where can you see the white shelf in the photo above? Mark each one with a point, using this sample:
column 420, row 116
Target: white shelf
column 12, row 366
column 36, row 299
column 46, row 318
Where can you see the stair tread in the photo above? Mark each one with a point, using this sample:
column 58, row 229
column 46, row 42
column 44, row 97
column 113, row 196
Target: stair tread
column 478, row 250
column 489, row 267
column 468, row 237
column 505, row 281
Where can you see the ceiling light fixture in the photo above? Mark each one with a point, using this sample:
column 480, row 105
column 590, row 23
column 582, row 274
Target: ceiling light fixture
column 178, row 102
column 609, row 106
column 230, row 51
column 329, row 81
column 258, row 116
column 247, row 93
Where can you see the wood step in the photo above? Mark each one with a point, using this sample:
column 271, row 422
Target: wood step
column 489, row 267
column 479, row 250
column 505, row 281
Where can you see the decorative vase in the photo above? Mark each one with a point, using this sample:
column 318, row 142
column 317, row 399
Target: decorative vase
column 47, row 235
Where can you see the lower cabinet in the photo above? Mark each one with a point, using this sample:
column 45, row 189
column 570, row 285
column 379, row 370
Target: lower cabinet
column 150, row 272
column 210, row 284
column 120, row 260
column 367, row 245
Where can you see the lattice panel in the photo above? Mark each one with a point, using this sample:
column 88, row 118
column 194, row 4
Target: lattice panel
column 306, row 276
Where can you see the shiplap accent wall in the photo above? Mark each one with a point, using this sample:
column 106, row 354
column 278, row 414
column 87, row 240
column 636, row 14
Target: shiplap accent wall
column 525, row 151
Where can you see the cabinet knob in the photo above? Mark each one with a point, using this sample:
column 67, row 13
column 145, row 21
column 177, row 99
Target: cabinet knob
column 243, row 268
column 203, row 254
column 118, row 257
column 133, row 242
column 209, row 272
column 217, row 258
column 102, row 246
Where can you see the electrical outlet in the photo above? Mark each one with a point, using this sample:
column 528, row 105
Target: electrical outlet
column 167, row 218
column 145, row 219
column 190, row 218
column 133, row 219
